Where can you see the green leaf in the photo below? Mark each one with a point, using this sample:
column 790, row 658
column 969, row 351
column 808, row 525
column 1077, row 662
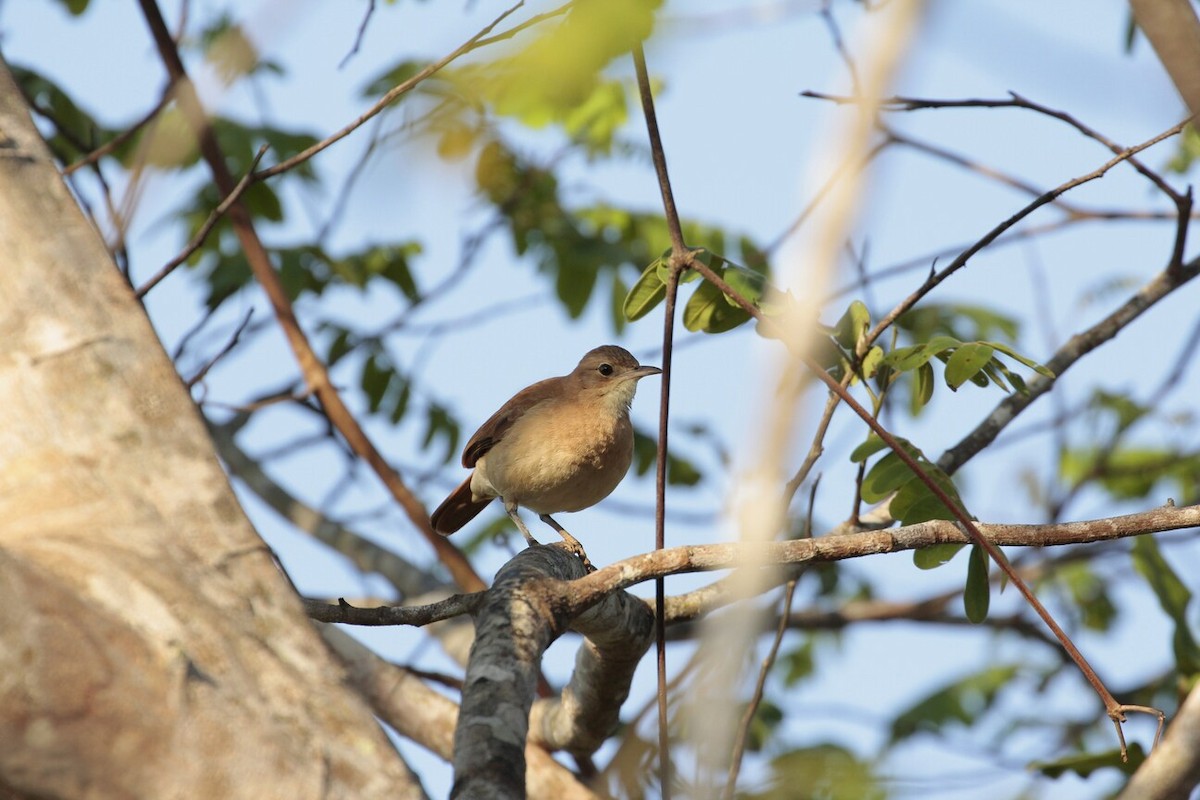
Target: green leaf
column 922, row 388
column 1040, row 369
column 977, row 593
column 798, row 664
column 707, row 311
column 852, row 326
column 821, row 772
column 375, row 379
column 1174, row 597
column 870, row 447
column 872, row 361
column 888, row 475
column 903, row 359
column 915, row 502
column 749, row 284
column 965, row 362
column 647, row 292
column 962, row 701
column 936, row 555
column 574, row 285
column 75, row 7
column 1084, row 764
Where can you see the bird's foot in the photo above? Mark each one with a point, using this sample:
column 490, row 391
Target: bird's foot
column 573, row 544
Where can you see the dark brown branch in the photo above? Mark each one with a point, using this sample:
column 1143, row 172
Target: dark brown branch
column 315, row 372
column 1046, row 197
column 680, row 257
column 211, row 222
column 417, row 616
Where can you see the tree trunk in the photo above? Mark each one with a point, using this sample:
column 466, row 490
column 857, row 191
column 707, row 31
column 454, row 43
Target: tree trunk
column 149, row 646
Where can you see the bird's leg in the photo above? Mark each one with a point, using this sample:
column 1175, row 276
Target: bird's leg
column 511, row 508
column 572, row 543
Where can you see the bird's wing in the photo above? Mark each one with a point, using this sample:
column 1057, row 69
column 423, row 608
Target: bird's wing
column 493, row 430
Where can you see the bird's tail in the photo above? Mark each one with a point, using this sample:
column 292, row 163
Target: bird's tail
column 457, row 510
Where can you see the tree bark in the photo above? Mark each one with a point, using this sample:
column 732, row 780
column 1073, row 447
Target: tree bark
column 1173, row 769
column 149, row 646
column 528, row 607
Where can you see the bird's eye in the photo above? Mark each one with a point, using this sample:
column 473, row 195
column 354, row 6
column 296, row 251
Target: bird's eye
column 605, row 369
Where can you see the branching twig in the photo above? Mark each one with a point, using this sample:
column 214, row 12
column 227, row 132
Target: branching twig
column 315, row 372
column 1041, row 200
column 1114, row 709
column 201, row 235
column 388, row 98
column 232, row 343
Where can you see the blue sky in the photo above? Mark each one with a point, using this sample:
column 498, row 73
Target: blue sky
column 741, row 144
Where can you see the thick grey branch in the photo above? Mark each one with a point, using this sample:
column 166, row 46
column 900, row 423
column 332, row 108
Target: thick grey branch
column 417, row 712
column 527, row 608
column 618, row 633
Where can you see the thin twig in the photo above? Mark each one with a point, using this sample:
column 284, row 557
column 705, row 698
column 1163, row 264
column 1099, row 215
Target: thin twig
column 232, row 343
column 122, row 137
column 1114, row 709
column 201, row 235
column 315, row 373
column 362, row 32
column 388, row 98
column 679, row 253
column 1041, row 200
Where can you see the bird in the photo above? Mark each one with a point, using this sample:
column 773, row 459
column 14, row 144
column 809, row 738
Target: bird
column 560, row 445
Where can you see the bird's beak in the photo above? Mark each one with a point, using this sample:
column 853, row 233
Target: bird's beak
column 643, row 371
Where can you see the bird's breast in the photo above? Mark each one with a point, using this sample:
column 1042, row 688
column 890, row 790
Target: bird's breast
column 560, row 457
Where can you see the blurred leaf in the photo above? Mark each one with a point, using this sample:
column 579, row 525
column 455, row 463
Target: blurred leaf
column 680, row 471
column 76, row 131
column 1187, row 153
column 574, row 51
column 798, row 663
column 963, row 701
column 886, row 476
column 977, row 594
column 230, row 53
column 1174, row 597
column 868, row 448
column 936, row 555
column 394, row 76
column 440, row 425
column 763, row 725
column 1131, row 472
column 967, row 323
column 1090, row 595
column 619, row 293
column 1084, row 764
column 821, row 772
column 74, row 7
column 376, row 377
